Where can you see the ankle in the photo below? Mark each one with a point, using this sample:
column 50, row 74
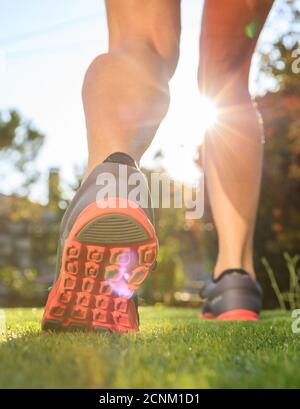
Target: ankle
column 221, row 267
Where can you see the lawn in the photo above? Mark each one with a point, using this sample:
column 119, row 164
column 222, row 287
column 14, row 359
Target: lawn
column 174, row 349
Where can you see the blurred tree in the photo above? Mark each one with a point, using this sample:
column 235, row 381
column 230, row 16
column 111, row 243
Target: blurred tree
column 179, row 247
column 54, row 191
column 278, row 224
column 20, row 144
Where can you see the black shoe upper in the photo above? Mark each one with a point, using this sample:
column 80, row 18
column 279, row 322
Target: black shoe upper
column 122, row 167
column 233, row 289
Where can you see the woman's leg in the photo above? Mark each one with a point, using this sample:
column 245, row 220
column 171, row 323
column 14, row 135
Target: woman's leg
column 233, row 147
column 125, row 92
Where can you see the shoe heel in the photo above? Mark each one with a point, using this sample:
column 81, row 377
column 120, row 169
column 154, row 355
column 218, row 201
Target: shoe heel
column 238, row 315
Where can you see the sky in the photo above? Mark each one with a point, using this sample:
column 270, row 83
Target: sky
column 45, row 49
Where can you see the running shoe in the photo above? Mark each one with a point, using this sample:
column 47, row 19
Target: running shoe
column 106, row 249
column 234, row 295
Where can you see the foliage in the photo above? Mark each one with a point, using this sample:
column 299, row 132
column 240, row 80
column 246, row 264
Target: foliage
column 20, row 144
column 21, row 283
column 278, row 222
column 290, row 298
column 168, row 275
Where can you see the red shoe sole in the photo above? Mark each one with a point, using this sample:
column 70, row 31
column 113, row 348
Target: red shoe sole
column 106, row 257
column 233, row 315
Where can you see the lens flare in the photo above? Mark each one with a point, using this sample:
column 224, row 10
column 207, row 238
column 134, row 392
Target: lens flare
column 209, row 112
column 119, row 284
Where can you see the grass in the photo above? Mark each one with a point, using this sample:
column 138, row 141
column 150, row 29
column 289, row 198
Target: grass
column 174, row 349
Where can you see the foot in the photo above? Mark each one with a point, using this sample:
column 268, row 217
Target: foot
column 234, row 295
column 106, row 251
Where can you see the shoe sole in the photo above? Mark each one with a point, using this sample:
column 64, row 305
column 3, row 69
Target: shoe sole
column 106, row 257
column 233, row 315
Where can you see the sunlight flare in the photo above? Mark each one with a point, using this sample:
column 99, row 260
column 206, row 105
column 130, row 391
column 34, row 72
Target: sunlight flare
column 209, row 112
